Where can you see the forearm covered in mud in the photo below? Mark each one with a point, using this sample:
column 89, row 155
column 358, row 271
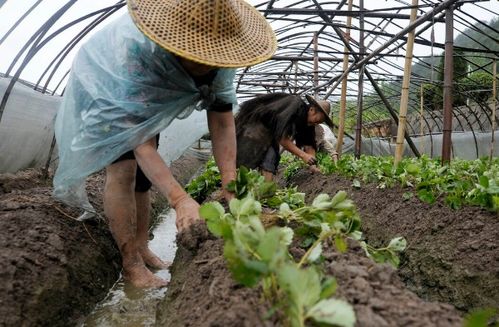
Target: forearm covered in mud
column 223, row 136
column 158, row 172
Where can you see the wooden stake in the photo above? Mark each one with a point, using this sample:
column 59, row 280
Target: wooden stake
column 421, row 124
column 448, row 81
column 404, row 98
column 343, row 101
column 494, row 105
column 316, row 64
column 360, row 92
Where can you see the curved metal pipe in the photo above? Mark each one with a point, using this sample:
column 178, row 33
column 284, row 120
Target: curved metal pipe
column 34, row 39
column 67, row 49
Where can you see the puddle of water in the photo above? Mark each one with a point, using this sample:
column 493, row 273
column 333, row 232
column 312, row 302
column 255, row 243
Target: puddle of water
column 128, row 306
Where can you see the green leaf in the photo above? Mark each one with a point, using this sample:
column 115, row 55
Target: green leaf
column 393, row 259
column 484, row 181
column 286, row 235
column 235, row 206
column 333, row 312
column 407, row 195
column 315, row 253
column 340, row 196
column 356, row 235
column 329, row 286
column 244, row 271
column 211, row 211
column 249, row 206
column 302, row 285
column 322, row 201
column 285, row 210
column 267, row 189
column 412, row 169
column 270, row 248
column 480, row 318
column 356, row 183
column 426, row 196
column 397, row 244
column 340, row 243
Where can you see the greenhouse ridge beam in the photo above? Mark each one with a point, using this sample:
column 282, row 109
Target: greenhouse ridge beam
column 339, row 13
column 299, row 58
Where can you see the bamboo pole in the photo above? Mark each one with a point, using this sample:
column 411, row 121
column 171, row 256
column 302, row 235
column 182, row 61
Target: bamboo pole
column 421, row 119
column 494, row 106
column 448, row 76
column 316, row 64
column 360, row 95
column 343, row 100
column 404, row 98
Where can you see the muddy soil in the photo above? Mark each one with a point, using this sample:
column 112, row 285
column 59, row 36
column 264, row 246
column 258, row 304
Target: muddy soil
column 55, row 269
column 202, row 292
column 452, row 255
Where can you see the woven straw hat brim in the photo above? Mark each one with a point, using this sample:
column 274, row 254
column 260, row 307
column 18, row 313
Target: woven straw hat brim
column 220, row 33
column 314, row 103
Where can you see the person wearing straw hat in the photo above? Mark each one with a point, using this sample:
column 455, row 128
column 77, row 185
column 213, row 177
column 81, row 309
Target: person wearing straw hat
column 131, row 80
column 265, row 123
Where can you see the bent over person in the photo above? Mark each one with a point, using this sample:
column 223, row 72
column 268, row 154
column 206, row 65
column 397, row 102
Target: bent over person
column 267, row 122
column 156, row 64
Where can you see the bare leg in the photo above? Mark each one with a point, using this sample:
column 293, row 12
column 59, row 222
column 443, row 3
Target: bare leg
column 143, row 204
column 120, row 209
column 268, row 175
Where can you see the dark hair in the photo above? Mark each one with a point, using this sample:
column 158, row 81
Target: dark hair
column 276, row 111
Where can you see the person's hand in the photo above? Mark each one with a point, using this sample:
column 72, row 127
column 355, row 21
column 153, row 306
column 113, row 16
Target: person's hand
column 187, row 212
column 314, row 169
column 309, row 159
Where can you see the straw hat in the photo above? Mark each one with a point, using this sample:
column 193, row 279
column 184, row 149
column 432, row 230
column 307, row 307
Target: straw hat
column 221, row 33
column 324, row 105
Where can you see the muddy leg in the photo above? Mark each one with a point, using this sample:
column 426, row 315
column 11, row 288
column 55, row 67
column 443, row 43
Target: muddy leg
column 120, row 209
column 143, row 205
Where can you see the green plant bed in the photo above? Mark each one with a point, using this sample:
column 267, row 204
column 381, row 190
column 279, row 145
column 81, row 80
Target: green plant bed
column 462, row 182
column 317, row 272
column 452, row 255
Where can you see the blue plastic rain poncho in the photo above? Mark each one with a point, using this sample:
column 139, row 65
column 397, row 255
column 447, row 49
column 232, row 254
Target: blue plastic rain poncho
column 123, row 90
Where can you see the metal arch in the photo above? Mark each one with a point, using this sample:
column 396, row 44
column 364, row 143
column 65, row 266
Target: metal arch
column 106, row 12
column 296, row 42
column 38, row 35
column 60, row 81
column 470, row 125
column 34, row 39
column 6, row 35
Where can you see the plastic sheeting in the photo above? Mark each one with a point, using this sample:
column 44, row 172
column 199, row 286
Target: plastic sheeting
column 123, row 90
column 26, row 129
column 465, row 145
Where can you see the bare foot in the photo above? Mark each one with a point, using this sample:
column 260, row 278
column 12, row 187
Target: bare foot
column 141, row 277
column 152, row 260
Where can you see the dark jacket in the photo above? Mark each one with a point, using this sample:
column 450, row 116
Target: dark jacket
column 263, row 121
